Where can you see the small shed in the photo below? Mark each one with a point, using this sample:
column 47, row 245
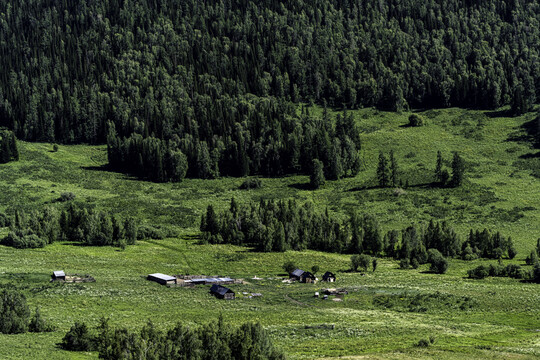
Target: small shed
column 221, row 292
column 303, row 276
column 162, row 278
column 297, row 274
column 329, row 277
column 58, row 276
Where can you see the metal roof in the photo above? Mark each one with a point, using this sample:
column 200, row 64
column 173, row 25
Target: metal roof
column 162, row 277
column 218, row 289
column 59, row 273
column 297, row 272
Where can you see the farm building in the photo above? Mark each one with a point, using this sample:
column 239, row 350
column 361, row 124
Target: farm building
column 303, row 276
column 162, row 278
column 58, row 276
column 329, row 277
column 221, row 292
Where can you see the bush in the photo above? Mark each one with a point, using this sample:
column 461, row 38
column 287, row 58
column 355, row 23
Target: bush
column 289, row 267
column 78, row 338
column 153, row 232
column 479, row 272
column 416, row 120
column 24, row 239
column 38, row 324
column 360, row 261
column 66, row 196
column 14, row 313
column 405, row 263
column 251, row 183
column 55, row 148
column 437, row 261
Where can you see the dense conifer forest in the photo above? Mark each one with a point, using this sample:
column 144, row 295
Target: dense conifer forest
column 215, row 77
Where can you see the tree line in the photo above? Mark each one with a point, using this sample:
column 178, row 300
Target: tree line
column 74, row 223
column 211, row 341
column 291, row 143
column 286, row 225
column 199, row 69
column 8, row 147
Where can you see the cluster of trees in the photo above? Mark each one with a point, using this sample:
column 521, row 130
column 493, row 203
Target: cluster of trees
column 8, row 147
column 289, row 143
column 74, row 223
column 283, row 225
column 489, row 245
column 207, row 342
column 15, row 315
column 458, row 171
column 182, row 67
column 498, row 270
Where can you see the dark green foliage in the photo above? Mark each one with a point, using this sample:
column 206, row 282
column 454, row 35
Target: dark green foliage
column 8, row 146
column 416, row 120
column 535, row 276
column 383, row 175
column 487, row 244
column 532, row 258
column 374, row 264
column 78, row 338
column 147, row 232
column 192, row 81
column 211, row 341
column 14, row 312
column 38, row 324
column 360, row 262
column 458, row 170
column 67, row 196
column 439, row 169
column 289, row 267
column 316, row 178
column 438, row 264
column 315, row 269
column 24, row 239
column 75, row 223
column 251, row 183
column 512, row 270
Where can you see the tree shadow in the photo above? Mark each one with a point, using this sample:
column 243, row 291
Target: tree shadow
column 530, row 133
column 499, row 113
column 301, row 186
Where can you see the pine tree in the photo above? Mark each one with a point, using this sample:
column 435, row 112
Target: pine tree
column 382, row 171
column 317, row 174
column 394, row 170
column 458, row 170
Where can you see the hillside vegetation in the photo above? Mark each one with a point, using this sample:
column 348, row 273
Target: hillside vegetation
column 387, row 312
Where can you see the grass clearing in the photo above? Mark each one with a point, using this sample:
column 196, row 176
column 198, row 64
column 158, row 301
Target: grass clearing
column 385, row 313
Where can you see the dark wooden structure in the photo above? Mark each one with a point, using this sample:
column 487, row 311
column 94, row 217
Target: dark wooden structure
column 221, row 292
column 329, row 277
column 303, row 276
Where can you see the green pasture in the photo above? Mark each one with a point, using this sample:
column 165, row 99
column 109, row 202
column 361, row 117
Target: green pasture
column 385, row 313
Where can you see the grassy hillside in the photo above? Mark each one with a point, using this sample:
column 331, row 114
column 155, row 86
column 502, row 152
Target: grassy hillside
column 386, row 312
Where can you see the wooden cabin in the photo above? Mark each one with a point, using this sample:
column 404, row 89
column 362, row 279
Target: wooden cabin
column 329, row 277
column 303, row 276
column 221, row 292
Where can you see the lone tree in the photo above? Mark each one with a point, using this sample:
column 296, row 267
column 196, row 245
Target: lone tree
column 382, row 171
column 360, row 262
column 14, row 313
column 458, row 170
column 317, row 174
column 289, row 267
column 416, row 120
column 393, row 169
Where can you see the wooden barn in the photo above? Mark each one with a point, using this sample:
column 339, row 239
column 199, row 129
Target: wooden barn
column 303, row 276
column 221, row 292
column 162, row 278
column 58, row 276
column 329, row 277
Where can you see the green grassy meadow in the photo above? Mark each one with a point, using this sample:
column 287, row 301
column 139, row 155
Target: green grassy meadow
column 385, row 313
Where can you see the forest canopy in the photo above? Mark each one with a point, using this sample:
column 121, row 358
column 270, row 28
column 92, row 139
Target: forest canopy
column 201, row 70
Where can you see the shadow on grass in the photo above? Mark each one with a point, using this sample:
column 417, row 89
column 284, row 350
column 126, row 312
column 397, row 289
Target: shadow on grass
column 301, row 186
column 428, row 185
column 498, row 114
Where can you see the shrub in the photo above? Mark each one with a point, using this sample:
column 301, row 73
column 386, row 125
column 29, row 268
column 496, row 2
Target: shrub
column 360, row 261
column 66, row 196
column 437, row 261
column 24, row 239
column 153, row 232
column 532, row 258
column 416, row 120
column 14, row 313
column 289, row 267
column 479, row 272
column 55, row 148
column 38, row 324
column 405, row 263
column 78, row 338
column 251, row 183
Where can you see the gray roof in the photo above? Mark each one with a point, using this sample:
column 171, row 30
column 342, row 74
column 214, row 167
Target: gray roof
column 218, row 289
column 162, row 277
column 59, row 273
column 297, row 272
